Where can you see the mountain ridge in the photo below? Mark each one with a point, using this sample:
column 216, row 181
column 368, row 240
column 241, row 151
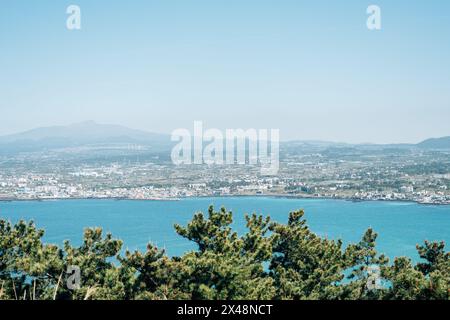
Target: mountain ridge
column 91, row 132
column 87, row 130
column 435, row 143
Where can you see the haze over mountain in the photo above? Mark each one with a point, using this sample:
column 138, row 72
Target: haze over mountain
column 436, row 143
column 79, row 134
column 88, row 131
column 91, row 133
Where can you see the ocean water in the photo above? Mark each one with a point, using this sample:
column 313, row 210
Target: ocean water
column 400, row 225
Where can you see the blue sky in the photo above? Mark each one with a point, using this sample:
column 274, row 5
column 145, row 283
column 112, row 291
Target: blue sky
column 310, row 68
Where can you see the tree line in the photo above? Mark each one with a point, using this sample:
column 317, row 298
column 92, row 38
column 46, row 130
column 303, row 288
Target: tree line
column 270, row 261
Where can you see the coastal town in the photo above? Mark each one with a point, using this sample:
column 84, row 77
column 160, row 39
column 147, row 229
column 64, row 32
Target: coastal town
column 336, row 176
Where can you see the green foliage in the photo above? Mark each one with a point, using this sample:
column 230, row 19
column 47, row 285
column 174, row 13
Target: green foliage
column 305, row 266
column 225, row 266
column 270, row 261
column 427, row 280
column 361, row 257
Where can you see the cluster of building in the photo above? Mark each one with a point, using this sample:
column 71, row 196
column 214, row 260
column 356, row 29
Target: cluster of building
column 423, row 197
column 55, row 186
column 420, row 177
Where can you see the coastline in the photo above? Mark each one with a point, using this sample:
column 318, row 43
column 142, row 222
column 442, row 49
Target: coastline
column 274, row 196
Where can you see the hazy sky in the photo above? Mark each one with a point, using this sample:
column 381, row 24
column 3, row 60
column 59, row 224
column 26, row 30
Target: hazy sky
column 310, row 68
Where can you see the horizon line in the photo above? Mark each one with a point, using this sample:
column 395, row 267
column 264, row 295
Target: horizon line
column 95, row 122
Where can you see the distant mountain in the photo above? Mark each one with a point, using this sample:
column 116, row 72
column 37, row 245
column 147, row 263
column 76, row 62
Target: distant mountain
column 79, row 134
column 435, row 143
column 88, row 131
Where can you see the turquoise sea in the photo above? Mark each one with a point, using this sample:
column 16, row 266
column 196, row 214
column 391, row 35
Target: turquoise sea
column 400, row 225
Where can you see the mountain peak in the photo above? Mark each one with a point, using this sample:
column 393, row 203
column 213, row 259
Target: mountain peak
column 84, row 132
column 436, row 143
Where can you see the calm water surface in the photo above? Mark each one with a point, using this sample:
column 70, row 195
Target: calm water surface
column 400, row 225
